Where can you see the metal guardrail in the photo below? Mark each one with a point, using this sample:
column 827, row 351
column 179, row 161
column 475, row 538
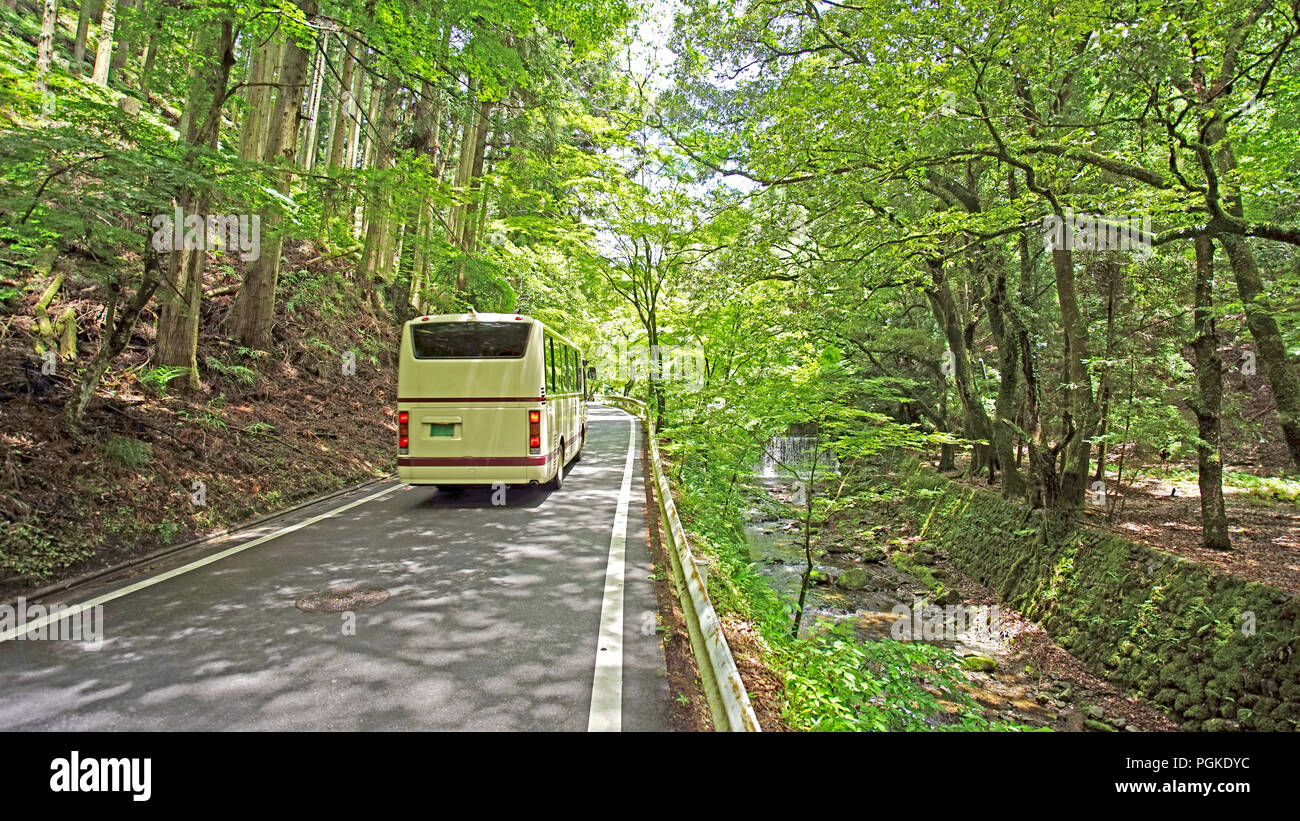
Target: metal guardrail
column 728, row 701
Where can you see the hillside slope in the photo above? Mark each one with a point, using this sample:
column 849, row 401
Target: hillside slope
column 155, row 466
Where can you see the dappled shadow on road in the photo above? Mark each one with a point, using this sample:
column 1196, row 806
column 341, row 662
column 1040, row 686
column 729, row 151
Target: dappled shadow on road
column 491, row 623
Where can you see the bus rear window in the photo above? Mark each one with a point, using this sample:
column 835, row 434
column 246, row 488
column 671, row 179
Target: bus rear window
column 469, row 340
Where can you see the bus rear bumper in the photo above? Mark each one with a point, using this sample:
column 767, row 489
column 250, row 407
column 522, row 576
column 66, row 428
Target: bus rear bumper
column 417, row 471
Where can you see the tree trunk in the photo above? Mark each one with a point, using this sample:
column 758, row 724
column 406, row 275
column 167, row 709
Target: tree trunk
column 85, row 14
column 944, row 306
column 1045, row 483
column 346, row 110
column 123, row 49
column 1270, row 349
column 1003, row 427
column 104, row 50
column 341, row 140
column 365, row 155
column 475, row 202
column 464, row 168
column 315, row 90
column 1110, row 283
column 253, row 313
column 123, row 326
column 428, row 130
column 178, row 320
column 1207, row 403
column 150, row 57
column 1220, row 166
column 45, row 45
column 376, row 255
column 261, row 72
column 1080, row 419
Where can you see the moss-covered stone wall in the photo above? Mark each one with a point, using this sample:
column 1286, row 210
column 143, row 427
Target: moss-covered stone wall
column 1217, row 652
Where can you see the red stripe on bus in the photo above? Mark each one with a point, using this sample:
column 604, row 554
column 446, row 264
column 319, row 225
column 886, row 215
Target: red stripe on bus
column 473, row 399
column 473, row 461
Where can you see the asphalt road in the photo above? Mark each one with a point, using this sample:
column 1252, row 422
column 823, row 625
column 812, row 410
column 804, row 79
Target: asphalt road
column 494, row 619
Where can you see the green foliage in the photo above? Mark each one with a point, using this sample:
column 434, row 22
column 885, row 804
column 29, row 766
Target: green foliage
column 29, row 550
column 210, row 418
column 157, row 379
column 239, row 373
column 166, row 531
column 834, row 683
column 324, row 294
column 126, row 452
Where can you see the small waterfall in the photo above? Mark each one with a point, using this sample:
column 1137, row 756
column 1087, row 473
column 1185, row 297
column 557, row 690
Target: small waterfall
column 785, row 454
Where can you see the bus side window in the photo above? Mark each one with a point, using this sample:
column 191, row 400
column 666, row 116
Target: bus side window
column 560, row 379
column 549, row 348
column 568, row 368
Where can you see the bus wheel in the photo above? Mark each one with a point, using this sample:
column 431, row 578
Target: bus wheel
column 577, row 457
column 558, row 481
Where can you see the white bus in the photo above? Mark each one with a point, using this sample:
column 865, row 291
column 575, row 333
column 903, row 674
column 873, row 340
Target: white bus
column 487, row 398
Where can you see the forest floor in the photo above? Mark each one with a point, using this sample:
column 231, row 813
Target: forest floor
column 1265, row 533
column 1162, row 509
column 156, row 466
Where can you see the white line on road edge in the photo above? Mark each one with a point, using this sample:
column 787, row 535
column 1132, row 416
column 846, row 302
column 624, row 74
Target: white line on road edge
column 723, row 687
column 74, row 609
column 607, row 683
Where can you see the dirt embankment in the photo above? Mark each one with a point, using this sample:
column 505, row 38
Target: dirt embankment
column 155, row 465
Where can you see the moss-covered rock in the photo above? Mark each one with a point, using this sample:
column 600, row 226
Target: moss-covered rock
column 980, row 663
column 871, row 553
column 855, row 578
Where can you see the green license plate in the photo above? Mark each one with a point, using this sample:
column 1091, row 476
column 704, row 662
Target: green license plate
column 442, row 429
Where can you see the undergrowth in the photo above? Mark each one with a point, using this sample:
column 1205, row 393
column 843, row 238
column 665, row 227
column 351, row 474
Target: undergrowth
column 833, row 681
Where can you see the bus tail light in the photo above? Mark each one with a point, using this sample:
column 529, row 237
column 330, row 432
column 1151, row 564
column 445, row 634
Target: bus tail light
column 403, row 432
column 534, row 432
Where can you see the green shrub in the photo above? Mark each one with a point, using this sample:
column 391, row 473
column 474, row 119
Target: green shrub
column 27, row 550
column 129, row 453
column 239, row 373
column 157, row 379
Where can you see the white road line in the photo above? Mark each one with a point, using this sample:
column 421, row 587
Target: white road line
column 72, row 610
column 607, row 683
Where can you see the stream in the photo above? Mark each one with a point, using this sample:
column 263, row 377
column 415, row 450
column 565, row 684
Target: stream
column 857, row 583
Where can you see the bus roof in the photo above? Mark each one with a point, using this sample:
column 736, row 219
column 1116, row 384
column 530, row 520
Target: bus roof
column 493, row 318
